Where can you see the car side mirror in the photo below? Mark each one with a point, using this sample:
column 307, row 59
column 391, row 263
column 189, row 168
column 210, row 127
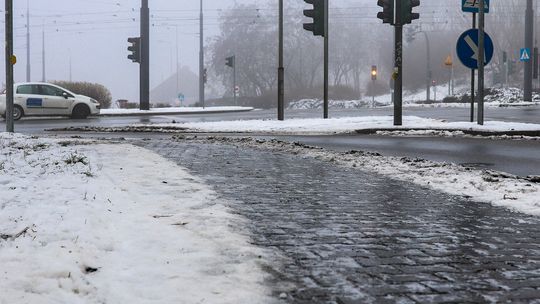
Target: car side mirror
column 66, row 96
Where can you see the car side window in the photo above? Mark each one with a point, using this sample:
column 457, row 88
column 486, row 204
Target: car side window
column 50, row 91
column 25, row 89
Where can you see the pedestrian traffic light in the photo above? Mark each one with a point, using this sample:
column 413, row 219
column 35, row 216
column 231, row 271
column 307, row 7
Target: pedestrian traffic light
column 374, row 72
column 387, row 15
column 318, row 16
column 407, row 15
column 135, row 49
column 230, row 61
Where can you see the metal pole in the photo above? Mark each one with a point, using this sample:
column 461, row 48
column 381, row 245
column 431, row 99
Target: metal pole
column 429, row 74
column 481, row 64
column 28, row 71
column 373, row 93
column 201, row 57
column 9, row 66
column 177, row 68
column 398, row 82
column 473, row 75
column 145, row 56
column 529, row 27
column 234, row 81
column 326, row 63
column 43, row 71
column 281, row 69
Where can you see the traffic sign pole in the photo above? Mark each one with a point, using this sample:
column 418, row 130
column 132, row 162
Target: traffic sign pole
column 481, row 64
column 473, row 75
column 529, row 24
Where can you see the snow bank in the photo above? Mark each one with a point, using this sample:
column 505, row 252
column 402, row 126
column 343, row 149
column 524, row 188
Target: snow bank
column 115, row 224
column 177, row 110
column 342, row 125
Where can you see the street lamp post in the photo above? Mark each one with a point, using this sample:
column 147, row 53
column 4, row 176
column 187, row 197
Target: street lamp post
column 201, row 58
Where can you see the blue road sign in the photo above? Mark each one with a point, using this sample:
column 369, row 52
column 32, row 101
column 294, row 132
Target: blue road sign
column 467, row 48
column 473, row 6
column 525, row 55
column 181, row 97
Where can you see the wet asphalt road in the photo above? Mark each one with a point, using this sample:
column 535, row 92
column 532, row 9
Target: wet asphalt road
column 345, row 236
column 37, row 125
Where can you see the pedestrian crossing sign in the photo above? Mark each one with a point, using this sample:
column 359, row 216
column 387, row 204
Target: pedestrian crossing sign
column 525, row 55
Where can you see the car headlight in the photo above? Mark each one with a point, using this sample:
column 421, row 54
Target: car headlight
column 94, row 101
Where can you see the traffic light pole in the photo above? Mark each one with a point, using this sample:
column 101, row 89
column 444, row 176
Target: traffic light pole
column 234, row 82
column 326, row 63
column 281, row 69
column 9, row 66
column 398, row 72
column 145, row 57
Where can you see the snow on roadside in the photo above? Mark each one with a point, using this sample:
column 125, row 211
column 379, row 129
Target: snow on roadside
column 115, row 224
column 497, row 188
column 341, row 125
column 173, row 110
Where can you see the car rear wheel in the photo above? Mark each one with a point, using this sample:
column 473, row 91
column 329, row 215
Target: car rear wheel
column 18, row 113
column 80, row 111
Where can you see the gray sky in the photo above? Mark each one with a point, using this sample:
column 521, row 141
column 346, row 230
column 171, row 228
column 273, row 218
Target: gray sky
column 93, row 33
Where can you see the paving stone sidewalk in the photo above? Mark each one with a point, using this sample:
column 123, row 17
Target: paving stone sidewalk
column 354, row 237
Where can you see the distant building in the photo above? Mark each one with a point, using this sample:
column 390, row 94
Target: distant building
column 188, row 86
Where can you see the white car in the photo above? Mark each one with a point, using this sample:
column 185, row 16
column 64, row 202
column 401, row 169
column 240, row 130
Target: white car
column 44, row 99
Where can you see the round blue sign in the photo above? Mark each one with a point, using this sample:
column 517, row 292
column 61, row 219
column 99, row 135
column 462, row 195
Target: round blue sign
column 467, row 48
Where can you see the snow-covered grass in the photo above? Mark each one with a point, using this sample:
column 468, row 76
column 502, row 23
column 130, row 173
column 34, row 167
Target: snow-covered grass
column 177, row 110
column 497, row 97
column 341, row 125
column 480, row 186
column 115, row 224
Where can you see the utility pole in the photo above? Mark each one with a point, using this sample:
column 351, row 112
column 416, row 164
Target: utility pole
column 481, row 63
column 529, row 27
column 326, row 59
column 43, row 77
column 281, row 69
column 28, row 78
column 10, row 61
column 145, row 57
column 201, row 58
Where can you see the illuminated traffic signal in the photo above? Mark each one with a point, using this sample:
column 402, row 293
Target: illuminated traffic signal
column 318, row 16
column 135, row 49
column 230, row 61
column 387, row 15
column 374, row 72
column 407, row 15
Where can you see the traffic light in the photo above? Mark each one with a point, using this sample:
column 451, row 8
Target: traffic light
column 318, row 16
column 135, row 49
column 387, row 15
column 407, row 15
column 230, row 61
column 374, row 72
column 205, row 75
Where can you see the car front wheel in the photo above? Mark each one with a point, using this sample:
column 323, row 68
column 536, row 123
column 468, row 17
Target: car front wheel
column 80, row 111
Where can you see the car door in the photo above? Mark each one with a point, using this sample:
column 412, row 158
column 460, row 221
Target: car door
column 28, row 97
column 54, row 101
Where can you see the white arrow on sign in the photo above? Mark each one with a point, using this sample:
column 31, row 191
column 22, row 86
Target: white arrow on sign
column 473, row 47
column 473, row 4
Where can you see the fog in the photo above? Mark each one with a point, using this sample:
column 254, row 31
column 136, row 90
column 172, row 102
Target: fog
column 87, row 41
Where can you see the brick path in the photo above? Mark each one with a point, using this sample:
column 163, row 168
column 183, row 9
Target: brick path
column 354, row 237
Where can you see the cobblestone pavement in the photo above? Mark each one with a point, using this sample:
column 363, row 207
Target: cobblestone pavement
column 353, row 237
